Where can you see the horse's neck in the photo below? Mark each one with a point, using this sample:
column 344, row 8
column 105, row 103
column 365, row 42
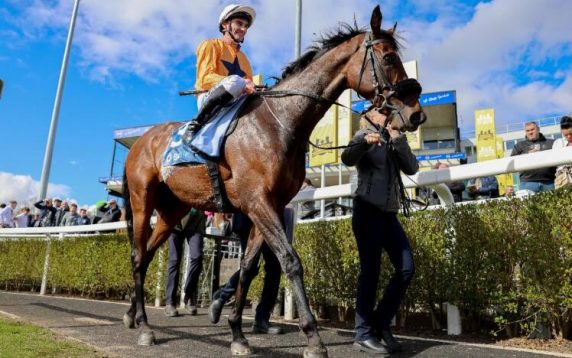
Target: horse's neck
column 322, row 77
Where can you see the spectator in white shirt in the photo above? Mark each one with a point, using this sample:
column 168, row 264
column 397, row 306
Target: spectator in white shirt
column 23, row 219
column 7, row 215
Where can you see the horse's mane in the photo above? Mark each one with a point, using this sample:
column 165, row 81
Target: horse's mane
column 328, row 41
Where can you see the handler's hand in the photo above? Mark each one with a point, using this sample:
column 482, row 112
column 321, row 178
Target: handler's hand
column 393, row 133
column 372, row 138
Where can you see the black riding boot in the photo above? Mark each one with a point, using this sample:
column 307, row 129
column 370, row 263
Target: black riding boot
column 216, row 99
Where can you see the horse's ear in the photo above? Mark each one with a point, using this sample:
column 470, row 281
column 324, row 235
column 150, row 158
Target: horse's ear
column 392, row 30
column 375, row 21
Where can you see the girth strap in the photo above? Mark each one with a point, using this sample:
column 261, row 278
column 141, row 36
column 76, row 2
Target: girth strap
column 221, row 201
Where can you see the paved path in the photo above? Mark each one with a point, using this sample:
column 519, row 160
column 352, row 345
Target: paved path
column 99, row 325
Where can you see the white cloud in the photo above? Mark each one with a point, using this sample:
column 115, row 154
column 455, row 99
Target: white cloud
column 491, row 60
column 474, row 50
column 26, row 190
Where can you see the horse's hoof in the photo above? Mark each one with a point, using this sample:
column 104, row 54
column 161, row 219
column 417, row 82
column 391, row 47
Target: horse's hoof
column 146, row 338
column 240, row 349
column 320, row 352
column 128, row 321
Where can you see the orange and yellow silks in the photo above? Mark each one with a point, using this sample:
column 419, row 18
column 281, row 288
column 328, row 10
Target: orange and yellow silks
column 216, row 60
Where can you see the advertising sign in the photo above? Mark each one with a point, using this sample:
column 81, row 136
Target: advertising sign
column 325, row 135
column 485, row 134
column 431, row 99
column 344, row 121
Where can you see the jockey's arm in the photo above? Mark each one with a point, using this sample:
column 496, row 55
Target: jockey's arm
column 207, row 57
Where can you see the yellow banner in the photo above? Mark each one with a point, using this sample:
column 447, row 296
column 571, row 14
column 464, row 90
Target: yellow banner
column 505, row 180
column 325, row 135
column 344, row 121
column 485, row 134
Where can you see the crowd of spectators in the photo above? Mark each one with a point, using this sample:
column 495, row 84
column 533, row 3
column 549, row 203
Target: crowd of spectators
column 56, row 212
column 531, row 181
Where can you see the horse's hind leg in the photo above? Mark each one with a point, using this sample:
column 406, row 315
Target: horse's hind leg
column 268, row 222
column 248, row 270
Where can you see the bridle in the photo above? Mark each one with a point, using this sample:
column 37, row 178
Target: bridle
column 381, row 83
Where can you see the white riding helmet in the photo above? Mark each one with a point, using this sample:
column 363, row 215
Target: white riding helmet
column 236, row 10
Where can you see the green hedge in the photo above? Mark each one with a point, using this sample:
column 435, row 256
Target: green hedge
column 508, row 262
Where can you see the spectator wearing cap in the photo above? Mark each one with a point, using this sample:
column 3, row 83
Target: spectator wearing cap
column 83, row 218
column 7, row 215
column 566, row 131
column 111, row 212
column 565, row 142
column 71, row 218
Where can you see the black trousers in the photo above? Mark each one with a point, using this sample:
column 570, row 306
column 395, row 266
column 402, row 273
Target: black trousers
column 375, row 231
column 176, row 252
column 241, row 226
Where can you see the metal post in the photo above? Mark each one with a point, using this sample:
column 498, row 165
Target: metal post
column 215, row 274
column 298, row 29
column 113, row 159
column 340, row 200
column 186, row 263
column 323, row 185
column 160, row 272
column 44, row 285
column 289, row 301
column 56, row 110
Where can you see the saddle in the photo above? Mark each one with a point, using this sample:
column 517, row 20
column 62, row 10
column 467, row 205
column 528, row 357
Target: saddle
column 205, row 147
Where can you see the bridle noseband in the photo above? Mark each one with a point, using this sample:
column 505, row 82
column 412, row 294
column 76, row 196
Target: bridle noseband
column 381, row 83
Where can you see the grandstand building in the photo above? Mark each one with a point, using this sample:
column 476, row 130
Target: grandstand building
column 438, row 140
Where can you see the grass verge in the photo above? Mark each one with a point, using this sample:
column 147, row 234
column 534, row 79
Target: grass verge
column 22, row 340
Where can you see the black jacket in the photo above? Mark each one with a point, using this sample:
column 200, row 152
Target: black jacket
column 530, row 146
column 110, row 214
column 378, row 169
column 47, row 213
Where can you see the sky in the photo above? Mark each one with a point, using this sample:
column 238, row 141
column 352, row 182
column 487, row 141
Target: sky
column 129, row 58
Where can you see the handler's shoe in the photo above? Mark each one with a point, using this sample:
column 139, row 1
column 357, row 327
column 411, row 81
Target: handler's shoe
column 171, row 311
column 371, row 346
column 192, row 309
column 264, row 327
column 387, row 337
column 215, row 309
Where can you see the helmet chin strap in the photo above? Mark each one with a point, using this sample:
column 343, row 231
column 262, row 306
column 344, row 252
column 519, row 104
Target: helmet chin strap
column 232, row 37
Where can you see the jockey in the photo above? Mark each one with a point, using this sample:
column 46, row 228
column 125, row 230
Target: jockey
column 222, row 69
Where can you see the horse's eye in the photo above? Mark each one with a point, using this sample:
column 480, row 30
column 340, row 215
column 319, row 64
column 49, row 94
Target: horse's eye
column 390, row 59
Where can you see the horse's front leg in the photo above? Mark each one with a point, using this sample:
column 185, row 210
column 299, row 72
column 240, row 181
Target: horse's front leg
column 267, row 221
column 239, row 345
column 141, row 264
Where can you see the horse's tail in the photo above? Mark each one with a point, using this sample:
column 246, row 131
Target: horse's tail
column 128, row 211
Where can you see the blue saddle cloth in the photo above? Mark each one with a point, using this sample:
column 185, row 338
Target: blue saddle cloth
column 207, row 143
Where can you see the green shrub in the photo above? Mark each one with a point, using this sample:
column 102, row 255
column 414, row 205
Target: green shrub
column 504, row 261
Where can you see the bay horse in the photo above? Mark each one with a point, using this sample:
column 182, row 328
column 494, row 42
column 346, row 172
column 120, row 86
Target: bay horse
column 262, row 167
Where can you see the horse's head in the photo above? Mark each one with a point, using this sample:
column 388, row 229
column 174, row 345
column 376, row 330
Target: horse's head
column 376, row 72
